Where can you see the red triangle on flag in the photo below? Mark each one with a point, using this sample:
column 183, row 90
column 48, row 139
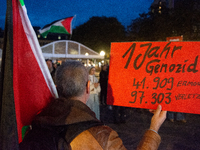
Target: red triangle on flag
column 67, row 24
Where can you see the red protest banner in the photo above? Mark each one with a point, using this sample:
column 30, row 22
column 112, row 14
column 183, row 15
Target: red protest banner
column 145, row 74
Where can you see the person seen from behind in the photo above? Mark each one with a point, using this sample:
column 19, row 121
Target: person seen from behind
column 70, row 110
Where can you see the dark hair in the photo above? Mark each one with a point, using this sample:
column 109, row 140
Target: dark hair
column 71, row 79
column 48, row 60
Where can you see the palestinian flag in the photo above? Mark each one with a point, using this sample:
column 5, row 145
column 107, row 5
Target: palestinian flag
column 26, row 85
column 62, row 26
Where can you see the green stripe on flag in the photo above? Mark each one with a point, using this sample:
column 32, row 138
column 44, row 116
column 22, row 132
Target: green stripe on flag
column 21, row 2
column 55, row 29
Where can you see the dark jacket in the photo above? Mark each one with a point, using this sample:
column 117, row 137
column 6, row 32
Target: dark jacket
column 103, row 79
column 71, row 112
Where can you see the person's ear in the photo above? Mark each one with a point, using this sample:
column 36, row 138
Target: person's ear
column 88, row 87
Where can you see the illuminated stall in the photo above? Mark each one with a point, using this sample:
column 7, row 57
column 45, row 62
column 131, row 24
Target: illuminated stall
column 63, row 50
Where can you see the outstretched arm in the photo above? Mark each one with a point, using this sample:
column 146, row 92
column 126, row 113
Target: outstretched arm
column 151, row 140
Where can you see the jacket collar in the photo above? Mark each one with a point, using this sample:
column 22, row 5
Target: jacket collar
column 64, row 112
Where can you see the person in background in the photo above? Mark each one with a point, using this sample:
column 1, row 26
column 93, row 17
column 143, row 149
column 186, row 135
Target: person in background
column 93, row 101
column 179, row 116
column 53, row 73
column 70, row 110
column 49, row 64
column 52, row 68
column 103, row 80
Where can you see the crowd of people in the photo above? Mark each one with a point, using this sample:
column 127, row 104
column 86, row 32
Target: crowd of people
column 52, row 67
column 68, row 123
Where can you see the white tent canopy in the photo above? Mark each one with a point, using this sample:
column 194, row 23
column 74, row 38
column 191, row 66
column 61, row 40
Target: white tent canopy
column 68, row 49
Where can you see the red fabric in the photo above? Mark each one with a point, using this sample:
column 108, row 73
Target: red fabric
column 31, row 93
column 67, row 24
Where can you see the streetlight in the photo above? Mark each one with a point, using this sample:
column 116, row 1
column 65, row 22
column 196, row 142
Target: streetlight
column 102, row 53
column 86, row 54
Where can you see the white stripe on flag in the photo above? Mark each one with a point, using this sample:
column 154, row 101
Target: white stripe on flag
column 31, row 36
column 48, row 28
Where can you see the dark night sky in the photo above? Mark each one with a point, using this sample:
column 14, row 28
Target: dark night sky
column 42, row 12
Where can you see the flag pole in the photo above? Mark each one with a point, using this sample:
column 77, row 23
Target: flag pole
column 8, row 123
